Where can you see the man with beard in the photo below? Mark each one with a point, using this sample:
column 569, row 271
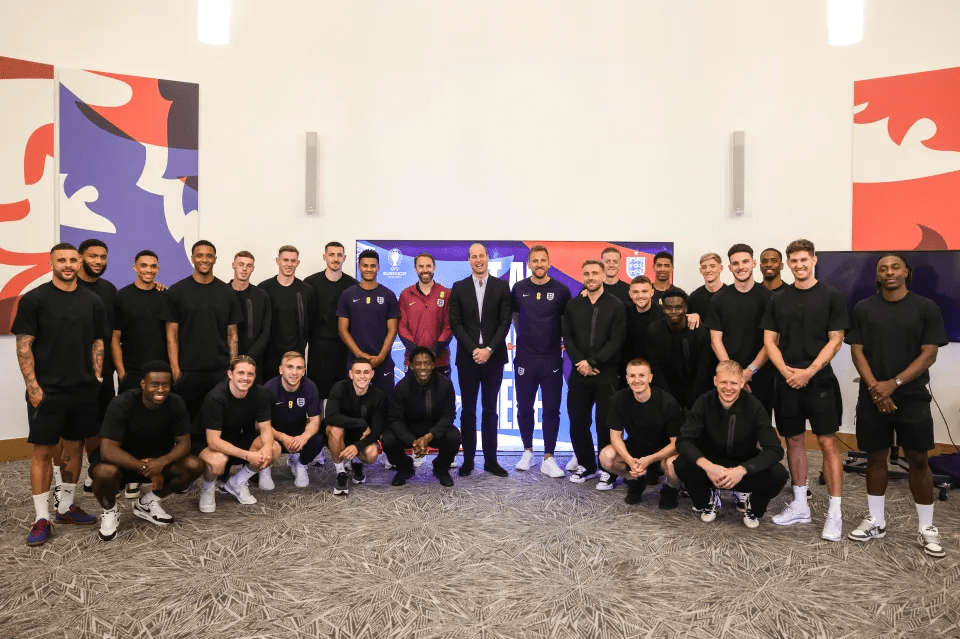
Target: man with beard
column 681, row 356
column 803, row 331
column 145, row 438
column 327, row 357
column 421, row 416
column 202, row 315
column 593, row 328
column 254, row 330
column 425, row 315
column 538, row 303
column 894, row 337
column 291, row 302
column 235, row 420
column 59, row 328
column 641, row 313
column 771, row 267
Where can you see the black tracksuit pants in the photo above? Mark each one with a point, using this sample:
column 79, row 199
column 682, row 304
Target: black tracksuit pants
column 763, row 486
column 581, row 399
column 397, row 438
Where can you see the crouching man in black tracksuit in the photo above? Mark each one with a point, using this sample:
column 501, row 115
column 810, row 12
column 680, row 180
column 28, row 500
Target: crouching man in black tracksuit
column 718, row 447
column 421, row 416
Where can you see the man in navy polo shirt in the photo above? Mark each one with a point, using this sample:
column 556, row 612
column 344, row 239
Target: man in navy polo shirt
column 538, row 304
column 368, row 315
column 295, row 418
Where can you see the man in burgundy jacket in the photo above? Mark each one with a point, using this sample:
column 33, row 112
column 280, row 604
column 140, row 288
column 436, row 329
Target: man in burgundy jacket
column 425, row 315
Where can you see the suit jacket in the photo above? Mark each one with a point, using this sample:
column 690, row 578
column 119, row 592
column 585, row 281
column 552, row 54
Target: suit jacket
column 466, row 322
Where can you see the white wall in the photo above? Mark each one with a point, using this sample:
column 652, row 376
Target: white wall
column 544, row 119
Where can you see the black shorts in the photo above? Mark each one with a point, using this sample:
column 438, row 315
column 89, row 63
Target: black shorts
column 912, row 422
column 126, row 476
column 106, row 394
column 244, row 442
column 819, row 401
column 322, row 435
column 71, row 415
column 637, row 451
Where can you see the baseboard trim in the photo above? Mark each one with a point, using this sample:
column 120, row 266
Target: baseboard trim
column 848, row 442
column 14, row 449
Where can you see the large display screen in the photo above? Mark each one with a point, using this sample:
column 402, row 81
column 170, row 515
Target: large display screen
column 508, row 261
column 936, row 275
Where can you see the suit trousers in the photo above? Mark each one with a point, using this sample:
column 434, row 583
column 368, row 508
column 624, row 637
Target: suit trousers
column 483, row 380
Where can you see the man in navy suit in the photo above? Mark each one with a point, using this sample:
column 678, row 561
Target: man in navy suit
column 480, row 319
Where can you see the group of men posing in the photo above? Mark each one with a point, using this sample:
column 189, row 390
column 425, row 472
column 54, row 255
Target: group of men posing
column 681, row 386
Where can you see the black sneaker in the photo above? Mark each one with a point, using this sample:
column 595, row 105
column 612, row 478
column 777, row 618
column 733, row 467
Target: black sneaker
column 358, row 476
column 401, row 477
column 668, row 497
column 341, row 487
column 634, row 491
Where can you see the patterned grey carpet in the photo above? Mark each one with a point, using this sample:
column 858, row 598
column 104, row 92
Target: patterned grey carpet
column 521, row 557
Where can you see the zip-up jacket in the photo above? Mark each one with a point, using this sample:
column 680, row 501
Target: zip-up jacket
column 594, row 332
column 254, row 331
column 425, row 321
column 346, row 409
column 730, row 436
column 424, row 408
column 290, row 306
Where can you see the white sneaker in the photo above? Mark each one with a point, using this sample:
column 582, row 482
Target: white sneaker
column 418, row 460
column 208, row 497
column 320, row 459
column 581, row 475
column 152, row 512
column 550, row 468
column 301, row 479
column 132, row 491
column 88, row 485
column 929, row 538
column 606, row 481
column 387, row 465
column 833, row 527
column 109, row 521
column 525, row 461
column 794, row 513
column 266, row 479
column 572, row 465
column 709, row 513
column 867, row 530
column 241, row 492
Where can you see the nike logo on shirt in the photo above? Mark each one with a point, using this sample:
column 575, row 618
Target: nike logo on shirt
column 411, row 303
column 358, row 299
column 556, row 370
column 526, row 294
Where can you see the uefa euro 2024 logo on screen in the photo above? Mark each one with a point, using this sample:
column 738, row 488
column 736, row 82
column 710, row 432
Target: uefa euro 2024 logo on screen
column 636, row 265
column 395, row 258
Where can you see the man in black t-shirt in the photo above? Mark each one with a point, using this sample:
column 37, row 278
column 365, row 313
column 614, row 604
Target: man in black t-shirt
column 202, row 314
column 680, row 356
column 894, row 337
column 355, row 418
column 734, row 324
column 139, row 331
column 327, row 357
column 771, row 266
column 611, row 259
column 295, row 419
column 291, row 302
column 803, row 330
column 235, row 419
column 145, row 438
column 651, row 419
column 59, row 328
column 254, row 329
column 711, row 266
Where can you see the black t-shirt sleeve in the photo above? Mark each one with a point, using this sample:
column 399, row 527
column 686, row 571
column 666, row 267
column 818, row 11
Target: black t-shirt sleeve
column 855, row 334
column 933, row 329
column 712, row 319
column 211, row 413
column 264, row 404
column 769, row 321
column 179, row 417
column 673, row 414
column 27, row 319
column 615, row 416
column 839, row 318
column 114, row 425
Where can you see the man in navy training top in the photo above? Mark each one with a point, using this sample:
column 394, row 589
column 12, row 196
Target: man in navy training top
column 145, row 438
column 236, row 421
column 59, row 329
column 368, row 315
column 894, row 337
column 803, row 330
column 538, row 303
column 421, row 416
column 355, row 418
column 651, row 419
column 294, row 418
column 728, row 443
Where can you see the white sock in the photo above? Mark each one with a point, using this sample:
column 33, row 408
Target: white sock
column 145, row 499
column 57, row 478
column 925, row 515
column 875, row 504
column 834, row 507
column 243, row 475
column 40, row 505
column 800, row 495
column 208, row 485
column 110, row 510
column 341, row 467
column 294, row 459
column 66, row 497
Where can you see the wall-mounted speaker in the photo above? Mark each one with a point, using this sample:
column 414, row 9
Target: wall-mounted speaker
column 313, row 174
column 737, row 174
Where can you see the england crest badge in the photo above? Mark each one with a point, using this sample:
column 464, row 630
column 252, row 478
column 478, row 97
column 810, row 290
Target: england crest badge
column 379, row 300
column 636, row 265
column 549, row 296
column 301, row 402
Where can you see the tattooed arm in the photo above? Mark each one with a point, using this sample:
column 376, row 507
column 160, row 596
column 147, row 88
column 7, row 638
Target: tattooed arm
column 233, row 341
column 98, row 358
column 25, row 359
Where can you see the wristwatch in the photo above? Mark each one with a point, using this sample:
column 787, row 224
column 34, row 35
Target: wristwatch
column 752, row 368
column 897, row 381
